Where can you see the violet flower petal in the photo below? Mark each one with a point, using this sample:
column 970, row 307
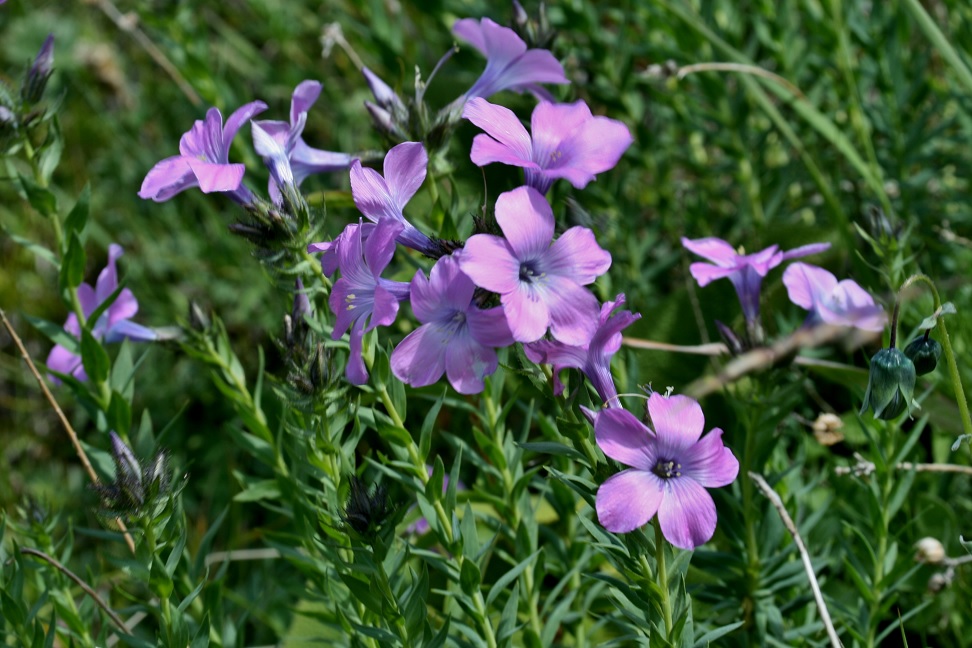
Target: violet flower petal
column 629, row 499
column 687, row 514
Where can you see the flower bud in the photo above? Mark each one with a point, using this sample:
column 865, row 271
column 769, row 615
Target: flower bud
column 938, row 582
column 890, row 385
column 39, row 72
column 128, row 472
column 929, row 550
column 924, row 353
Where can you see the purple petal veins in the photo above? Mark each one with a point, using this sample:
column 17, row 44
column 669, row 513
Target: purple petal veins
column 509, row 64
column 203, row 160
column 361, row 299
column 456, row 337
column 842, row 303
column 567, row 141
column 593, row 358
column 670, row 470
column 540, row 284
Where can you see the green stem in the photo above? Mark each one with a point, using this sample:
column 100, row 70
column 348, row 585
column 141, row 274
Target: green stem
column 445, row 522
column 749, row 518
column 953, row 371
column 885, row 475
column 663, row 579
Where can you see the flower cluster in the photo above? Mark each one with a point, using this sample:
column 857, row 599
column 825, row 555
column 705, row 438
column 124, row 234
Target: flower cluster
column 517, row 282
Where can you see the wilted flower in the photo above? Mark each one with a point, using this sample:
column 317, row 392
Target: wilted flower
column 204, row 160
column 361, row 299
column 384, row 197
column 670, row 469
column 114, row 325
column 593, row 358
column 890, row 385
column 456, row 337
column 509, row 64
column 540, row 284
column 841, row 303
column 924, row 352
column 745, row 271
column 567, row 141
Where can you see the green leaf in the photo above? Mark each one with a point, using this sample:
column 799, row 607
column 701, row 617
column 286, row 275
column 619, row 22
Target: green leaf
column 718, row 633
column 94, row 357
column 503, row 581
column 77, row 219
column 119, row 413
column 553, row 448
column 41, row 199
column 257, row 490
column 470, row 535
column 50, row 154
column 55, row 333
column 72, row 265
column 37, row 249
column 425, row 436
column 469, row 577
column 507, row 626
column 433, row 489
column 122, row 370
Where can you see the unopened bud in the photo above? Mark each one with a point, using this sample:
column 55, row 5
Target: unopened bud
column 128, row 472
column 198, row 319
column 384, row 95
column 938, row 582
column 39, row 72
column 890, row 385
column 924, row 353
column 929, row 550
column 384, row 123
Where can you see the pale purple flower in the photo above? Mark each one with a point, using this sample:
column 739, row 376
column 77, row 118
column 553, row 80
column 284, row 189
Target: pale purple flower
column 567, row 142
column 746, row 272
column 274, row 156
column 509, row 64
column 670, row 468
column 114, row 325
column 384, row 197
column 361, row 299
column 204, row 160
column 842, row 303
column 540, row 285
column 592, row 358
column 456, row 337
column 304, row 160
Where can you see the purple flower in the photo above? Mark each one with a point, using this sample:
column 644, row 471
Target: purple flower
column 746, row 272
column 304, row 160
column 114, row 324
column 592, row 358
column 456, row 337
column 539, row 284
column 384, row 198
column 509, row 64
column 361, row 299
column 39, row 72
column 203, row 160
column 568, row 141
column 841, row 303
column 670, row 469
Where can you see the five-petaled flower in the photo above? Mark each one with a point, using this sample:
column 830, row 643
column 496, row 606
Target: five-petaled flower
column 304, row 160
column 593, row 358
column 670, row 468
column 456, row 337
column 384, row 198
column 745, row 271
column 509, row 64
column 568, row 141
column 361, row 299
column 203, row 159
column 843, row 303
column 539, row 284
column 114, row 324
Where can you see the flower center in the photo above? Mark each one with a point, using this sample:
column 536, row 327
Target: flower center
column 529, row 273
column 667, row 469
